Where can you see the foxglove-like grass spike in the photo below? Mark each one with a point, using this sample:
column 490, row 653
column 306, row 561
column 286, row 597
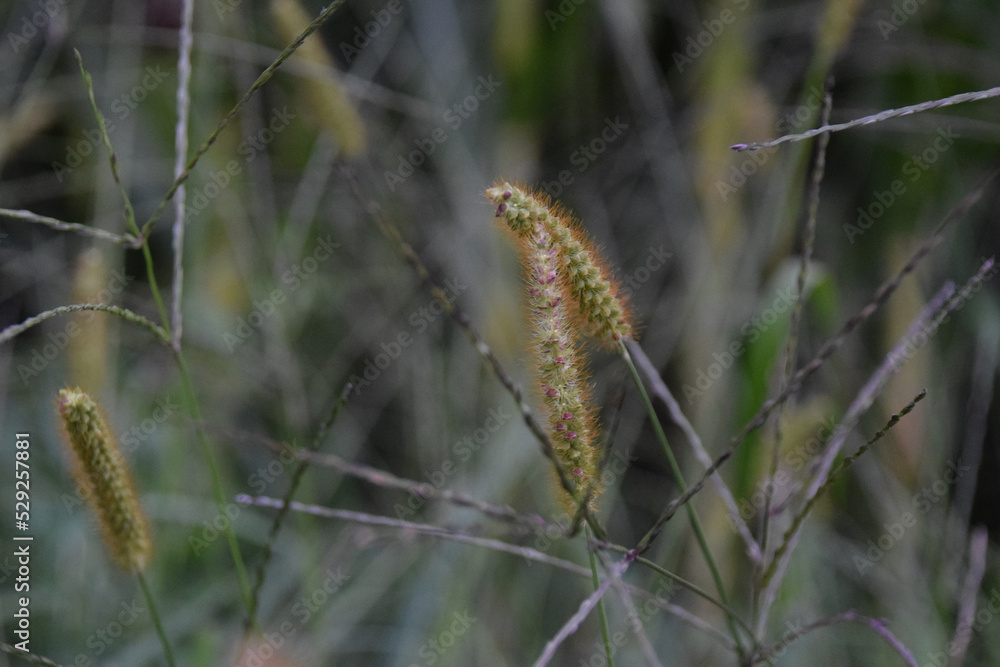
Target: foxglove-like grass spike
column 103, row 475
column 562, row 374
column 596, row 294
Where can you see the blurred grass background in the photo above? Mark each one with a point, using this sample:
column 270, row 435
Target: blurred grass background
column 291, row 290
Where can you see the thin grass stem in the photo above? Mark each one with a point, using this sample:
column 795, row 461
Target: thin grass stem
column 180, row 150
column 154, row 615
column 264, row 77
column 682, row 485
column 421, row 528
column 293, row 486
column 602, row 616
column 888, row 114
column 800, row 517
column 112, row 156
column 874, row 624
column 124, row 313
column 574, row 621
column 220, row 499
column 126, row 240
column 794, row 320
column 827, row 350
column 33, row 658
column 660, row 390
column 676, row 578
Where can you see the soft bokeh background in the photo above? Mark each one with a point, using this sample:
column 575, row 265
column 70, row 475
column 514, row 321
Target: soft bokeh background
column 291, row 290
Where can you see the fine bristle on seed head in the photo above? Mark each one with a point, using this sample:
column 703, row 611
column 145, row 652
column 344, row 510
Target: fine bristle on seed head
column 601, row 303
column 102, row 472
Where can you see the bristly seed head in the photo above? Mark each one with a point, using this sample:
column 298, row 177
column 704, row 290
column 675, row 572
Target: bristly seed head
column 561, row 373
column 102, row 472
column 599, row 300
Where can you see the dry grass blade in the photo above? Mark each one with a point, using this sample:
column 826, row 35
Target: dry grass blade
column 875, row 625
column 180, row 157
column 660, row 390
column 126, row 240
column 880, row 296
column 978, row 543
column 425, row 490
column 421, row 528
column 864, row 400
column 573, row 623
column 124, row 313
column 264, row 77
column 874, row 118
column 834, row 474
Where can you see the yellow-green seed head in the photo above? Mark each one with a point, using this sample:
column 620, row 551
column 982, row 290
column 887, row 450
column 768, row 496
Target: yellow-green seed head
column 326, row 98
column 562, row 374
column 102, row 473
column 596, row 295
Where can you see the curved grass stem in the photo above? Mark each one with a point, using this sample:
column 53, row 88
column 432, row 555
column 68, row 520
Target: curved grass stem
column 15, row 329
column 679, row 477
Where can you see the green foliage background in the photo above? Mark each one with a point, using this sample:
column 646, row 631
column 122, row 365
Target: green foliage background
column 681, row 82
